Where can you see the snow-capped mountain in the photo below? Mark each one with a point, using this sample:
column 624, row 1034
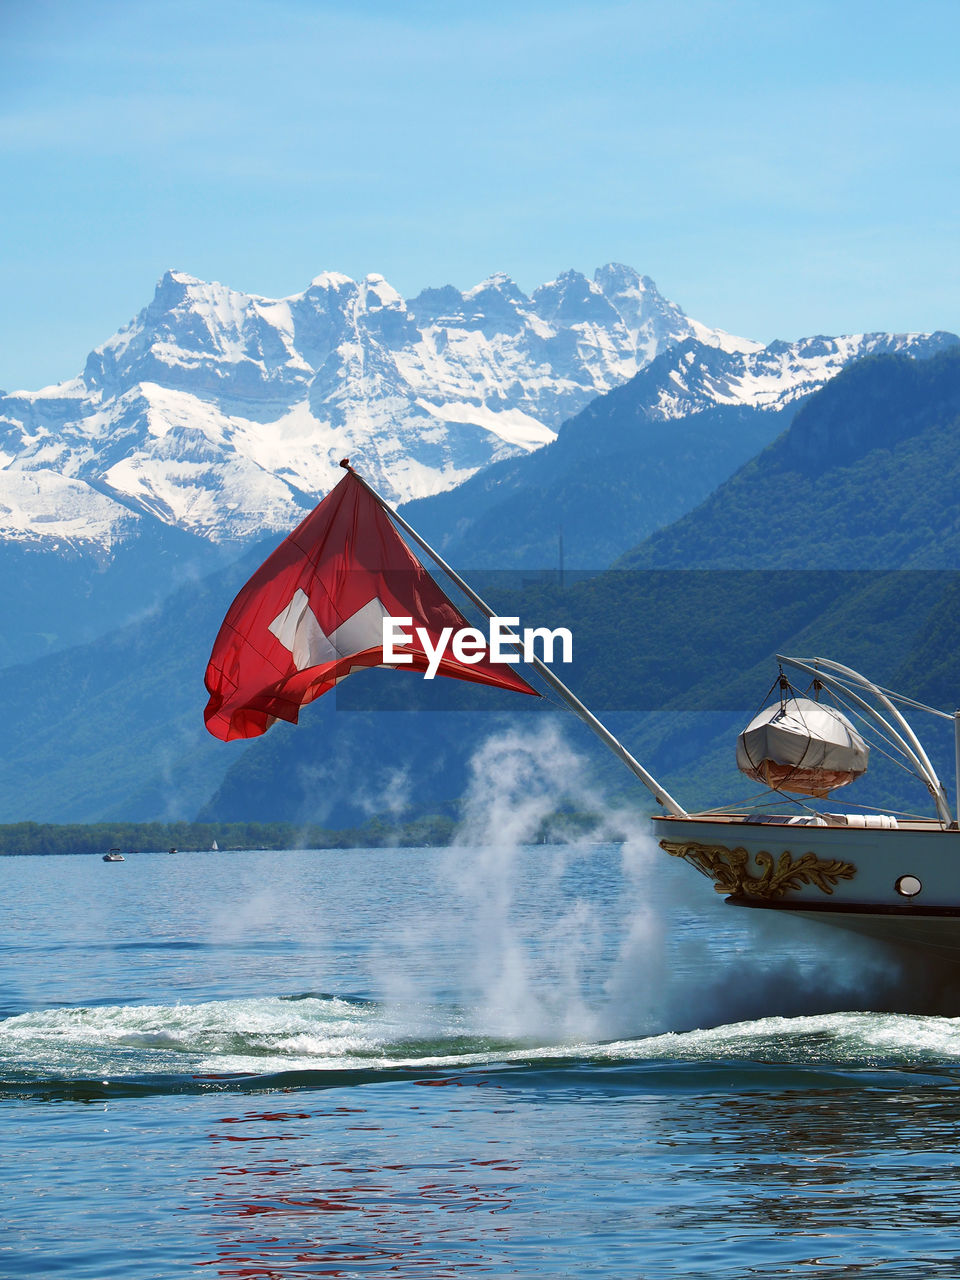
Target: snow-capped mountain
column 695, row 375
column 225, row 414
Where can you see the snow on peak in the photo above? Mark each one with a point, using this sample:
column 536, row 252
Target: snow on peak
column 721, row 370
column 40, row 506
column 378, row 293
column 720, row 338
column 172, row 276
column 499, row 283
column 334, row 280
column 177, row 288
column 616, row 276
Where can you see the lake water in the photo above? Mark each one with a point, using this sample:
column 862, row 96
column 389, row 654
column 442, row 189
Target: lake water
column 510, row 1061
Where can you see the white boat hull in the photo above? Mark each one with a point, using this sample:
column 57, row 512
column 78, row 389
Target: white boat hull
column 900, row 885
column 934, row 932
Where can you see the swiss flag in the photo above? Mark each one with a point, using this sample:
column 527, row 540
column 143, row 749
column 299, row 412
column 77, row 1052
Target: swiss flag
column 313, row 613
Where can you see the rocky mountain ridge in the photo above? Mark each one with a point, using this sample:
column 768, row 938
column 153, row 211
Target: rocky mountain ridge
column 223, row 415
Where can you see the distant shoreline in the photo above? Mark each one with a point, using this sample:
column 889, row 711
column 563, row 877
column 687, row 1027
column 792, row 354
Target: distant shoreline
column 24, row 839
column 45, row 839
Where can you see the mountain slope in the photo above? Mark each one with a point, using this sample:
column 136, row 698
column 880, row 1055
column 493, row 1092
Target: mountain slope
column 114, row 728
column 640, row 456
column 611, row 478
column 867, row 475
column 54, row 600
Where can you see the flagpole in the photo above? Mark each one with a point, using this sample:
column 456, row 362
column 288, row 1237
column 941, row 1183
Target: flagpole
column 661, row 796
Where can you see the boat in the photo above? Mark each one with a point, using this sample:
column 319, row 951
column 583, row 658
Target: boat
column 114, row 855
column 891, row 876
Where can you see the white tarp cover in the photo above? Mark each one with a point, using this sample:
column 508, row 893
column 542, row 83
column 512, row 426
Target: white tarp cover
column 802, row 746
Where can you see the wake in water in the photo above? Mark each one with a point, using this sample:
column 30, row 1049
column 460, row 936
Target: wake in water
column 315, row 1041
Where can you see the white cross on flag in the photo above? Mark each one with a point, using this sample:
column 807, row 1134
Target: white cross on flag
column 313, row 613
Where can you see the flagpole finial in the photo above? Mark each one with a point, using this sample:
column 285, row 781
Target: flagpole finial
column 345, row 463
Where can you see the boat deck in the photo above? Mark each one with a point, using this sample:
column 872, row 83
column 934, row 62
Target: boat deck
column 860, row 822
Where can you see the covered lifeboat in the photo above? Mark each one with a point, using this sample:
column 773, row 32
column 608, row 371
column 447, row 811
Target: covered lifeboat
column 800, row 745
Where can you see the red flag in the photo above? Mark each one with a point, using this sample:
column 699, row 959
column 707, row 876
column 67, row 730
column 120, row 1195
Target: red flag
column 313, row 613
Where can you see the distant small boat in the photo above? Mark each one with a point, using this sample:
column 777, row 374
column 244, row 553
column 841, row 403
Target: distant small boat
column 114, row 856
column 214, row 848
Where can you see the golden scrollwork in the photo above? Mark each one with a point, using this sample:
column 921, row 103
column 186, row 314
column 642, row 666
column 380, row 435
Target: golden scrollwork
column 728, row 868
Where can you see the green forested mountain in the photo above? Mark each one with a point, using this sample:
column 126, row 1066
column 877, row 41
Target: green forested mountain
column 867, row 475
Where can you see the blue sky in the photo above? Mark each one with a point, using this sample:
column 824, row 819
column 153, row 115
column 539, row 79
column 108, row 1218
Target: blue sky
column 777, row 169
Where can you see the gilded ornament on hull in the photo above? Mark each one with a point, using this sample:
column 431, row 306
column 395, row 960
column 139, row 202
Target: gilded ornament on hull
column 728, row 869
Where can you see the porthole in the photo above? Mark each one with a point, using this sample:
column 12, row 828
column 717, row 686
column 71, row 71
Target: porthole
column 908, row 886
